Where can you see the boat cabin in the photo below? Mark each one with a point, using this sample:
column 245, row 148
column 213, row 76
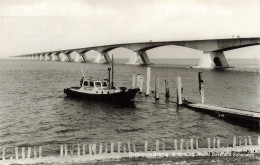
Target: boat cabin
column 88, row 84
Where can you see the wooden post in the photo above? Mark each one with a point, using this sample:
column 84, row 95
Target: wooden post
column 258, row 140
column 134, row 150
column 34, row 152
column 106, row 146
column 175, row 144
column 94, row 148
column 40, row 151
column 133, row 83
column 157, row 87
column 112, row 147
column 208, row 142
column 187, row 144
column 249, row 140
column 78, row 150
column 100, row 148
column 181, row 145
column 16, row 153
column 163, row 145
column 234, row 141
column 141, row 84
column 4, row 153
column 124, row 148
column 191, row 144
column 245, row 139
column 157, row 145
column 66, row 150
column 167, row 91
column 148, row 79
column 218, row 142
column 214, row 142
column 71, row 150
column 23, row 154
column 240, row 140
column 90, row 149
column 201, row 89
column 61, row 150
column 29, row 153
column 118, row 147
column 129, row 146
column 145, row 145
column 197, row 143
column 138, row 80
column 179, row 93
column 84, row 149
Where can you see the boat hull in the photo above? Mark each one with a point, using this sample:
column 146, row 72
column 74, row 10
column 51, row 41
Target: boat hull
column 125, row 96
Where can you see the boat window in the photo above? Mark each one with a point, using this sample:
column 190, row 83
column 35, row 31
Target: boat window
column 85, row 83
column 98, row 84
column 104, row 84
column 91, row 84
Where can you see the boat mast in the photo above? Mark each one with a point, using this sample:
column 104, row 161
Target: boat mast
column 109, row 69
column 112, row 83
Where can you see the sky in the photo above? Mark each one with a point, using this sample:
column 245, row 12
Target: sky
column 33, row 26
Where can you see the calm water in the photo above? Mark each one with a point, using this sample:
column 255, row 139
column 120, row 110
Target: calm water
column 35, row 111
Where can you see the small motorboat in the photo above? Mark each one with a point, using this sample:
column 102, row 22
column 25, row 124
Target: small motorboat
column 101, row 90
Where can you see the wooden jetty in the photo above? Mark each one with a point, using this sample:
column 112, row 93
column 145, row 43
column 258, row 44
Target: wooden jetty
column 245, row 118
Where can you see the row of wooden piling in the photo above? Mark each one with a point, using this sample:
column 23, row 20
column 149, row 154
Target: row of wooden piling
column 101, row 148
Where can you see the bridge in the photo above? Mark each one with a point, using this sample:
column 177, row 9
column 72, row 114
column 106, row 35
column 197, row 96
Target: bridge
column 213, row 51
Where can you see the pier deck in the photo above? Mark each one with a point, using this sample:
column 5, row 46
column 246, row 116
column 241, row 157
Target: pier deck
column 246, row 118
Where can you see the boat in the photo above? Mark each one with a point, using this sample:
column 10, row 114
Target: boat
column 101, row 90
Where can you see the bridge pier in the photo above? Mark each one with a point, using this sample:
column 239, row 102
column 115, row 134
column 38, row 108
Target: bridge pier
column 106, row 56
column 57, row 57
column 213, row 59
column 98, row 58
column 68, row 56
column 84, row 57
column 41, row 57
column 145, row 57
column 133, row 59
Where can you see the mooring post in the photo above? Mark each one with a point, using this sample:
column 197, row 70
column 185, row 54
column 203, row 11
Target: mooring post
column 218, row 142
column 138, row 80
column 112, row 147
column 40, row 151
column 118, row 147
column 181, row 145
column 258, row 140
column 240, row 140
column 84, row 149
column 187, row 144
column 61, row 150
column 234, row 141
column 16, row 153
column 175, row 144
column 124, row 148
column 197, row 143
column 249, row 140
column 191, row 144
column 71, row 150
column 208, row 139
column 34, row 152
column 214, row 142
column 23, row 154
column 29, row 153
column 90, row 149
column 157, row 145
column 94, row 148
column 78, row 150
column 148, row 78
column 145, row 145
column 106, row 146
column 245, row 140
column 167, row 91
column 66, row 150
column 4, row 153
column 133, row 82
column 134, row 147
column 100, row 148
column 157, row 88
column 201, row 89
column 141, row 84
column 129, row 146
column 163, row 144
column 179, row 93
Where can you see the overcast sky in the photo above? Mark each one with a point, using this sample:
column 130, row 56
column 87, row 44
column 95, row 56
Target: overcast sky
column 31, row 26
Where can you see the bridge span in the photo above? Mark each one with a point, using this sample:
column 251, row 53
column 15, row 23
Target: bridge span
column 213, row 51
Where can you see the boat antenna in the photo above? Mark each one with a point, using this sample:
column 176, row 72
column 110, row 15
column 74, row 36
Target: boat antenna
column 83, row 73
column 112, row 75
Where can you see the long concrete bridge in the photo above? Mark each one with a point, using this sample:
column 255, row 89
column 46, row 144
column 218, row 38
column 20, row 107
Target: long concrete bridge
column 213, row 51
